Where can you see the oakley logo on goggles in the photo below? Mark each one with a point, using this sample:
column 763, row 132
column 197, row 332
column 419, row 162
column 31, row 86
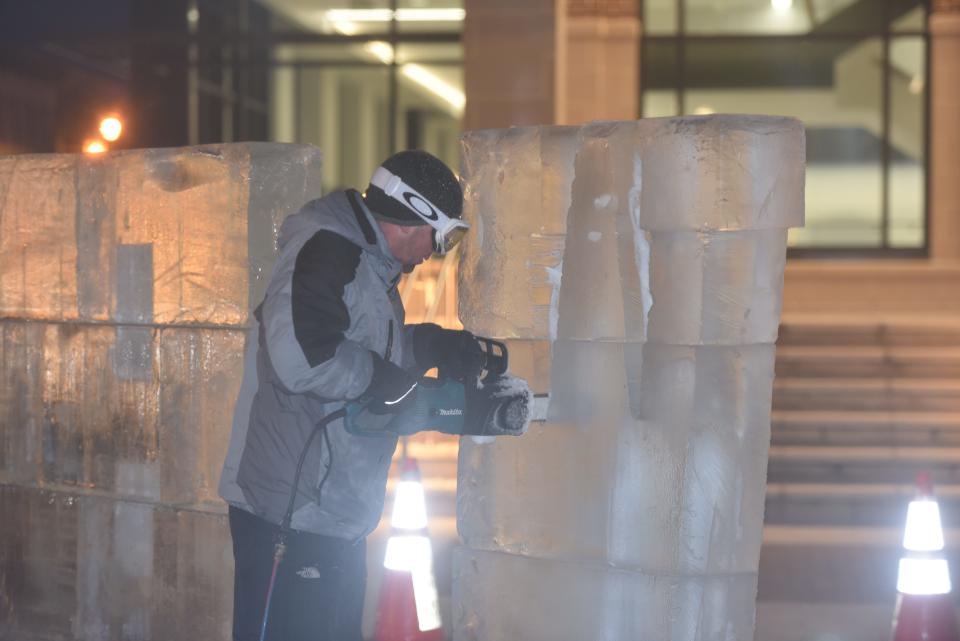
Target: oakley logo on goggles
column 447, row 231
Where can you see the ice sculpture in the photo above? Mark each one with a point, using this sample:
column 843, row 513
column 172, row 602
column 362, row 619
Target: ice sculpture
column 125, row 287
column 636, row 270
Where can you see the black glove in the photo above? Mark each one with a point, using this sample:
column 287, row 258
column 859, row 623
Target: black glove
column 456, row 353
column 391, row 387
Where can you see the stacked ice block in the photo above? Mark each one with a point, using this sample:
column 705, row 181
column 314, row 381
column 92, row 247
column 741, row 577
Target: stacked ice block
column 125, row 287
column 636, row 270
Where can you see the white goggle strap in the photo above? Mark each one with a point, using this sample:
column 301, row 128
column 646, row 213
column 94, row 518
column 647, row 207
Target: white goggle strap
column 394, row 187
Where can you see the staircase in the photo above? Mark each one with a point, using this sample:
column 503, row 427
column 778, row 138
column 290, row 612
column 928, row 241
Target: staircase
column 859, row 407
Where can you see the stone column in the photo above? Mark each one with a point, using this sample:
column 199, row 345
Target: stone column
column 509, row 59
column 945, row 128
column 550, row 61
column 601, row 50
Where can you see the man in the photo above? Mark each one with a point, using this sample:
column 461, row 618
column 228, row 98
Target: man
column 331, row 330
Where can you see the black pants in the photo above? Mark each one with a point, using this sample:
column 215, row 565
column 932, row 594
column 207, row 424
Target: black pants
column 319, row 590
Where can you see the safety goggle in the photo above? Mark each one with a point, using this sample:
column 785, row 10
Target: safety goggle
column 447, row 231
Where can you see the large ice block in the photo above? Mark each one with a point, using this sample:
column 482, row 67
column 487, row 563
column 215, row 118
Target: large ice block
column 126, row 283
column 78, row 412
column 533, row 167
column 158, row 235
column 636, row 510
column 687, row 478
column 502, row 596
column 81, row 566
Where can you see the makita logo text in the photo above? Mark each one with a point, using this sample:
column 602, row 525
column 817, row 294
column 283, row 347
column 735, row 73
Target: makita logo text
column 454, row 412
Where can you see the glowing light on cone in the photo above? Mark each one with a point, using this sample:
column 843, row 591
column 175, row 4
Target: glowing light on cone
column 409, row 506
column 922, row 570
column 409, row 550
column 407, row 553
column 923, row 532
column 923, row 576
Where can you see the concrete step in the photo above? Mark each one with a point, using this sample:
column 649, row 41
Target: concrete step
column 867, row 394
column 867, row 361
column 855, row 330
column 823, row 621
column 852, row 504
column 874, row 464
column 835, row 427
column 836, row 564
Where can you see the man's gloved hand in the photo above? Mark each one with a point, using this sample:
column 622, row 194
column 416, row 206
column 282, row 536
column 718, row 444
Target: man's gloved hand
column 391, row 387
column 456, row 353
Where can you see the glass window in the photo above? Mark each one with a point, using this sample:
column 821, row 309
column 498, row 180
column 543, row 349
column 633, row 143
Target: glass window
column 907, row 149
column 430, row 109
column 430, row 16
column 660, row 17
column 341, row 110
column 360, row 101
column 334, row 17
column 746, row 16
column 661, row 64
column 851, row 70
column 834, row 87
column 849, row 16
column 911, row 19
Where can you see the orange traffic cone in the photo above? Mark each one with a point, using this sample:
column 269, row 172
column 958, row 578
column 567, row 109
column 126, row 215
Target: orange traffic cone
column 408, row 608
column 924, row 610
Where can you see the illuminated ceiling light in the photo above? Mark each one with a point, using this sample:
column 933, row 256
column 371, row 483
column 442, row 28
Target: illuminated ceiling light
column 781, row 6
column 704, row 110
column 382, row 50
column 346, row 28
column 358, row 15
column 110, row 128
column 916, row 85
column 193, row 15
column 94, row 147
column 402, row 15
column 431, row 15
column 436, row 84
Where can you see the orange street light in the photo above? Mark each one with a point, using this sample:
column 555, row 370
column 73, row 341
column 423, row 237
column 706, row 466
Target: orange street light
column 94, row 147
column 110, row 128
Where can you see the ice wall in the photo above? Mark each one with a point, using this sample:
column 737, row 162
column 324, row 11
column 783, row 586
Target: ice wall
column 125, row 286
column 636, row 270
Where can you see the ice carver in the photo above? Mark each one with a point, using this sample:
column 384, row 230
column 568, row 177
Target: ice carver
column 330, row 330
